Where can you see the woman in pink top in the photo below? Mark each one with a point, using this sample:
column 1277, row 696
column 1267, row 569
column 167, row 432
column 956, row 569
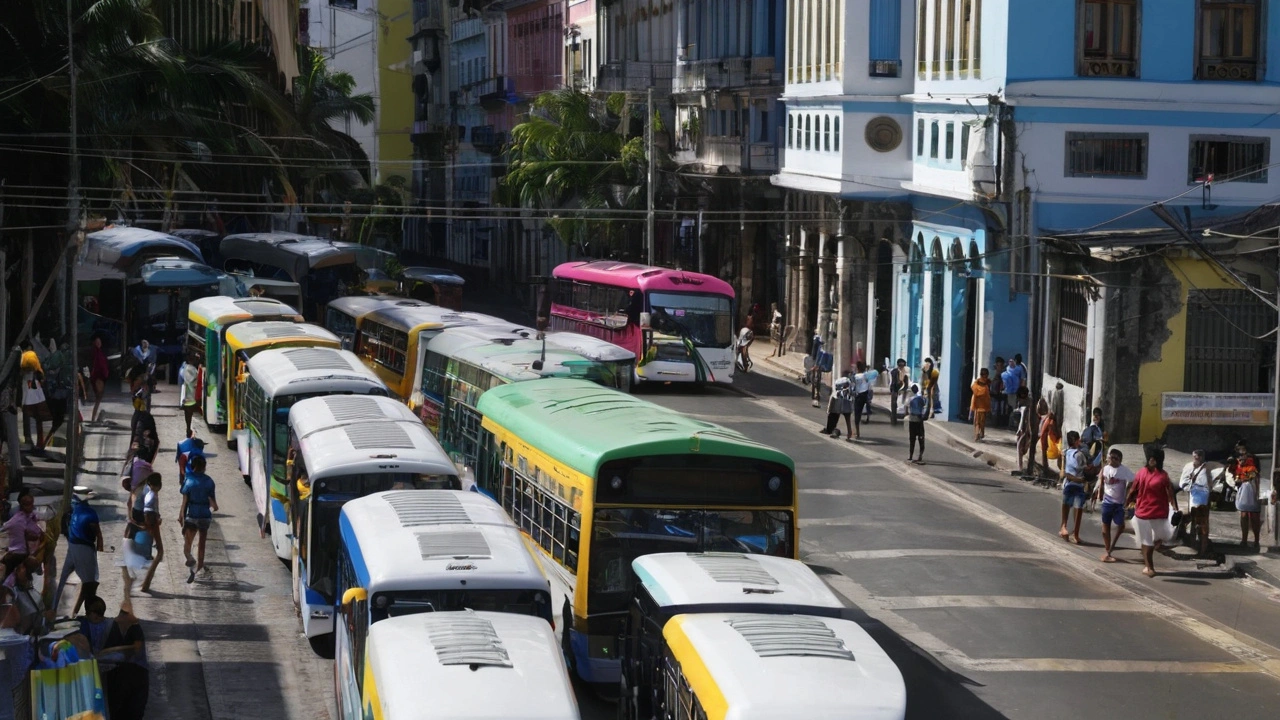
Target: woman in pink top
column 1153, row 492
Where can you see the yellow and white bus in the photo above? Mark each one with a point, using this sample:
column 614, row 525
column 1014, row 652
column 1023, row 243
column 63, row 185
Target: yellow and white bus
column 342, row 315
column 207, row 322
column 459, row 666
column 343, row 447
column 392, row 341
column 720, row 636
column 246, row 339
column 427, row 551
column 598, row 478
column 278, row 379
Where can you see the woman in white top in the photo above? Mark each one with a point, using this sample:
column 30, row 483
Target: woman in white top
column 1197, row 483
column 746, row 336
column 188, row 395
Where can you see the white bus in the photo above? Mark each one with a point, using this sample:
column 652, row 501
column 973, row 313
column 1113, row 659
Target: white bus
column 748, row 637
column 413, row 551
column 343, row 447
column 460, row 666
column 278, row 378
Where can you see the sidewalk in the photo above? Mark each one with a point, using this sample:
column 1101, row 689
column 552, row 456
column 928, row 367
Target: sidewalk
column 999, row 451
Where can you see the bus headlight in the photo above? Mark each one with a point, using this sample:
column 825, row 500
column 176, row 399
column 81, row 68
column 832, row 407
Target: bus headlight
column 616, row 483
column 775, row 482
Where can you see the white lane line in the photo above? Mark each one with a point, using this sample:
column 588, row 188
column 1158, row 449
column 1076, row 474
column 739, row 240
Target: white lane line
column 1009, row 602
column 930, row 552
column 1167, row 667
column 1247, row 649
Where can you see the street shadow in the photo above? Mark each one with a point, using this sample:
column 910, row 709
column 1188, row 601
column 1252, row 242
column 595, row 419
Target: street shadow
column 933, row 689
column 221, row 600
column 1185, row 581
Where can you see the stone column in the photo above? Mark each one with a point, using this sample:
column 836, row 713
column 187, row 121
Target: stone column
column 822, row 266
column 844, row 355
column 804, row 326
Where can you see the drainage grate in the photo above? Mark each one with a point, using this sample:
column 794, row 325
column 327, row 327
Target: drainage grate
column 419, row 507
column 459, row 545
column 377, row 435
column 464, row 639
column 316, row 359
column 353, row 407
column 789, row 636
column 728, row 568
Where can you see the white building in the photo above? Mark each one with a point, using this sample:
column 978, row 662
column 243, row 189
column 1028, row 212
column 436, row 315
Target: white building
column 342, row 30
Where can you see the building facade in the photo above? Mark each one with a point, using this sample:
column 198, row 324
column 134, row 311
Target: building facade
column 342, row 31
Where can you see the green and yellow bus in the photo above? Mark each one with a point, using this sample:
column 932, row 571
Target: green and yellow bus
column 246, row 339
column 207, row 322
column 598, row 478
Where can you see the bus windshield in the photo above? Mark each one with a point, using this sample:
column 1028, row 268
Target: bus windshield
column 519, row 602
column 707, row 318
column 621, row 535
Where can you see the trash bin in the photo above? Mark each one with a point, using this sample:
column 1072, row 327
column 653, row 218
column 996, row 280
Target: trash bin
column 13, row 668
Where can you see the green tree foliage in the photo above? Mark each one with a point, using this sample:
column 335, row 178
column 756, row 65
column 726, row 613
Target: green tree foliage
column 570, row 156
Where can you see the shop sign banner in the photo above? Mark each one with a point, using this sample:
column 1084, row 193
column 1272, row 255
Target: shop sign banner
column 1217, row 408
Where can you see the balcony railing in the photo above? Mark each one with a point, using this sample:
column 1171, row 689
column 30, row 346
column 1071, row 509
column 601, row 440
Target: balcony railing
column 486, row 140
column 428, row 16
column 493, row 91
column 628, row 76
column 730, row 152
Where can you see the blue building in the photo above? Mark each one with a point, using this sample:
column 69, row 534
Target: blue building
column 996, row 155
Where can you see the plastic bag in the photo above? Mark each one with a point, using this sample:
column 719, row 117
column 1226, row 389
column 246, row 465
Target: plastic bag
column 1054, row 449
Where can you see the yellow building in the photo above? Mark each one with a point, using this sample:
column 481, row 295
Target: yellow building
column 394, row 89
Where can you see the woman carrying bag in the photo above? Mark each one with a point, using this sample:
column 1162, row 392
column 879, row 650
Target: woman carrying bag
column 34, row 406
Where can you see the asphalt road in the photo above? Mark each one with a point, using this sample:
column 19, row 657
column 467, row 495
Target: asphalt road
column 963, row 579
column 958, row 573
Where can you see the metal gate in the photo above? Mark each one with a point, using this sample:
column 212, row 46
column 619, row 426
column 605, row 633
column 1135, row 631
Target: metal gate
column 1223, row 354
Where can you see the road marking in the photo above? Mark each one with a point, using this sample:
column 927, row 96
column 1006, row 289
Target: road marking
column 931, row 552
column 1250, row 650
column 1009, row 602
column 1167, row 667
column 836, row 465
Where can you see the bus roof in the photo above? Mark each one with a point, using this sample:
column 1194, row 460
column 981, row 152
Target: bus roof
column 776, row 667
column 177, row 272
column 590, row 347
column 271, row 333
column 375, row 447
column 424, row 317
column 357, row 305
column 433, row 539
column 321, row 413
column 293, row 253
column 298, row 370
column 584, row 425
column 433, row 275
column 220, row 309
column 469, row 666
column 676, row 579
column 644, row 277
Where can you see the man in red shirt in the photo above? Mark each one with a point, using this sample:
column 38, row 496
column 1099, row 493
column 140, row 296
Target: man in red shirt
column 1153, row 493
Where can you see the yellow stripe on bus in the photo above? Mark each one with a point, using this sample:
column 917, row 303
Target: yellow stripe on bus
column 371, row 702
column 695, row 671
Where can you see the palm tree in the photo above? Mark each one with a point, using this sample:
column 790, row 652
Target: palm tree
column 321, row 100
column 569, row 155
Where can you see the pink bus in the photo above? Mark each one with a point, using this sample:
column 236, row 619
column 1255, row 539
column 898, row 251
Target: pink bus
column 679, row 324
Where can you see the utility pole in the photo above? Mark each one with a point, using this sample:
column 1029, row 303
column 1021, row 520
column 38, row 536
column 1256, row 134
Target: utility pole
column 72, row 302
column 1275, row 431
column 648, row 220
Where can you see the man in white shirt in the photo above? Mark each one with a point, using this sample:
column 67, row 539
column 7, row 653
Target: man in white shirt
column 1197, row 483
column 1113, row 486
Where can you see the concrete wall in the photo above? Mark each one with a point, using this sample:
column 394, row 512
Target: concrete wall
column 345, row 38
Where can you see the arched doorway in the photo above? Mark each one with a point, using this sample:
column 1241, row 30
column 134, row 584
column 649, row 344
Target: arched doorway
column 884, row 278
column 915, row 301
column 965, row 305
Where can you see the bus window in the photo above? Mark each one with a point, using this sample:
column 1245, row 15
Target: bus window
column 707, row 318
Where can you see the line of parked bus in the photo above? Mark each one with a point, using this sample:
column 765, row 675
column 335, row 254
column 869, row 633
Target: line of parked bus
column 453, row 490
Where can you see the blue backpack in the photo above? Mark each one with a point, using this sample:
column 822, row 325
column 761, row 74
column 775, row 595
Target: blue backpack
column 824, row 361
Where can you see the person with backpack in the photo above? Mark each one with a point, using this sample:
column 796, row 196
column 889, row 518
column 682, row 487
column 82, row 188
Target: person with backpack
column 1073, row 487
column 84, row 542
column 199, row 502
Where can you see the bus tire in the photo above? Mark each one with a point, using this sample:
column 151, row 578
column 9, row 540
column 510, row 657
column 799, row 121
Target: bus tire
column 566, row 642
column 322, row 645
column 231, row 443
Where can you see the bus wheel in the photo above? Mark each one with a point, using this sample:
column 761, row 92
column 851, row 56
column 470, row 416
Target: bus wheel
column 566, row 642
column 247, row 481
column 232, row 443
column 322, row 645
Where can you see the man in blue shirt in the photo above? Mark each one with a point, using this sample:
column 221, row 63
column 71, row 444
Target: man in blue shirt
column 1073, row 492
column 198, row 505
column 84, row 542
column 187, row 449
column 918, row 411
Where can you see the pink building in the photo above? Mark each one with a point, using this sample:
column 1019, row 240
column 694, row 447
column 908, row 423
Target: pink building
column 535, row 47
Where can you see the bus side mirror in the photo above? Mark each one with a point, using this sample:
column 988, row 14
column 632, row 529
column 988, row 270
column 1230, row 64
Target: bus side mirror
column 644, row 320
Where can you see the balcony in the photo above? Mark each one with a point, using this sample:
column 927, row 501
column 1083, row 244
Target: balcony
column 485, row 140
column 628, row 76
column 435, row 122
column 730, row 153
column 493, row 92
column 428, row 16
